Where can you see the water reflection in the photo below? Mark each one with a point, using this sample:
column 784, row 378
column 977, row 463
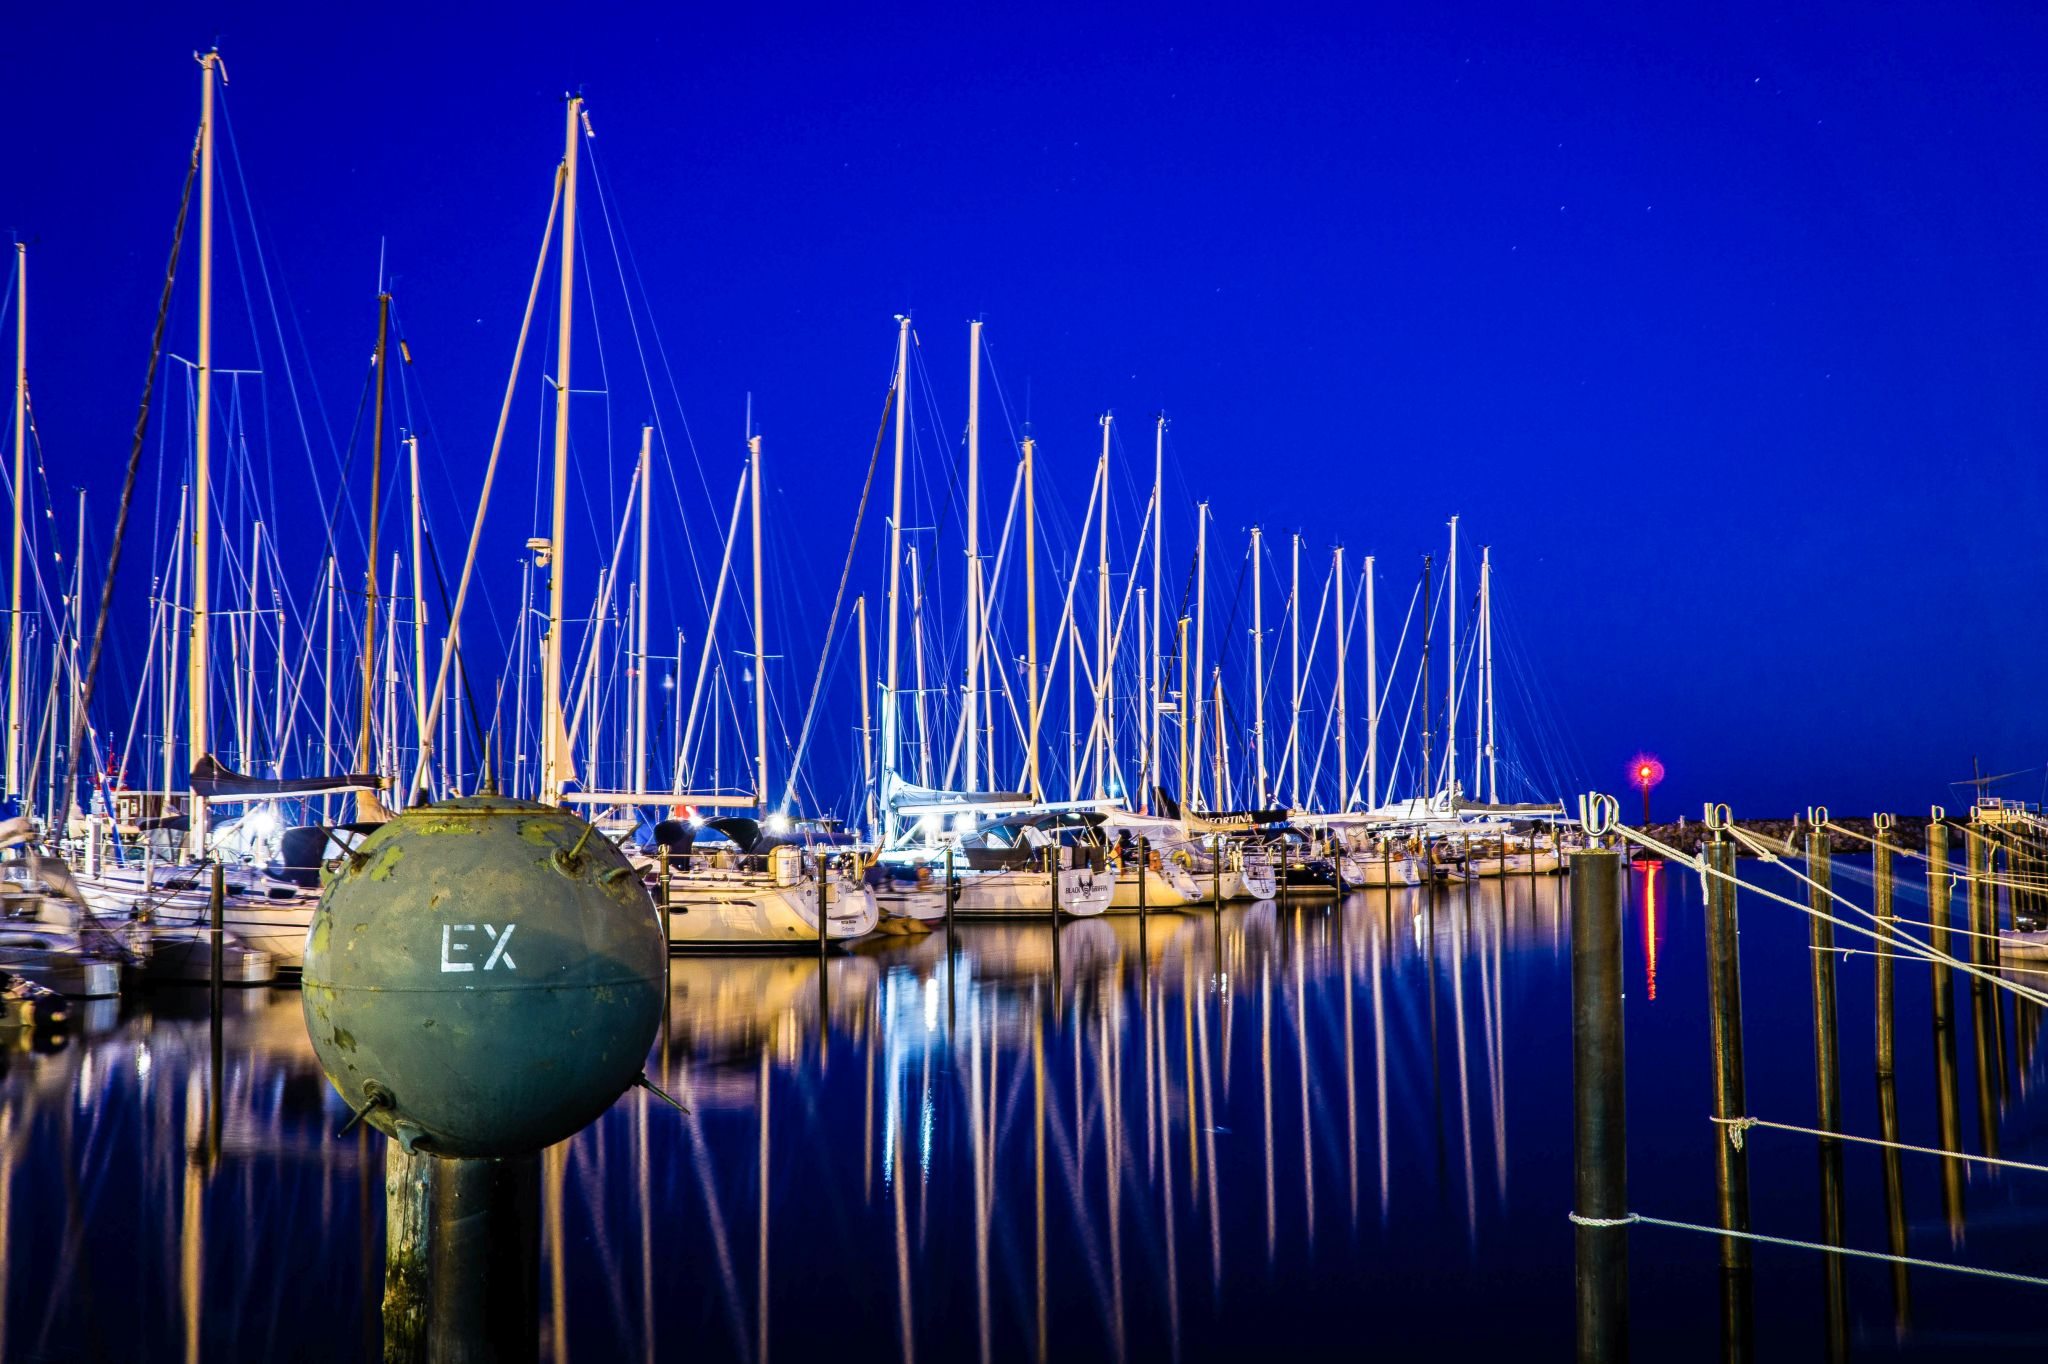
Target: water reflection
column 1184, row 1137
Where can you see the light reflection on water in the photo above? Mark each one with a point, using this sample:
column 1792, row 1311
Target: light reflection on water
column 1315, row 1129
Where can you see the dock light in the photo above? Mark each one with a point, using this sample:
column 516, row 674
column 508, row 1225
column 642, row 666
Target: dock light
column 1645, row 771
column 778, row 823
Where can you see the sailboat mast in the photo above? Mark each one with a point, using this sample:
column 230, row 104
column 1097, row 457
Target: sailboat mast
column 1293, row 753
column 890, row 648
column 196, row 683
column 1258, row 670
column 327, row 696
column 1031, row 628
column 1428, row 621
column 1185, row 709
column 1486, row 658
column 970, row 704
column 1343, row 751
column 1099, row 740
column 14, row 732
column 867, row 729
column 640, row 641
column 367, row 802
column 1451, row 669
column 760, row 631
column 1152, row 658
column 419, row 605
column 390, row 768
column 1372, row 695
column 1201, row 622
column 553, row 736
column 924, row 748
column 1221, row 759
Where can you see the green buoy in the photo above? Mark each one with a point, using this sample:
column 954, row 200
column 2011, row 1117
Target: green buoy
column 484, row 977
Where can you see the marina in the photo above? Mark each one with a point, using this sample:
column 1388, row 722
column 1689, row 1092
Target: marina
column 1144, row 1141
column 958, row 700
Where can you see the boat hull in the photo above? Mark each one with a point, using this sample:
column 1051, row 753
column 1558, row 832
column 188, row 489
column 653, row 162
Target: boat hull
column 748, row 910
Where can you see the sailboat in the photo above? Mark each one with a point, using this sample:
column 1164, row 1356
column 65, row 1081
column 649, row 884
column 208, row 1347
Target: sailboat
column 756, row 891
column 919, row 823
column 267, row 912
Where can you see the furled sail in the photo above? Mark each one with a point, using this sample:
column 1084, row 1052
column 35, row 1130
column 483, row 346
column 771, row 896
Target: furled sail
column 211, row 780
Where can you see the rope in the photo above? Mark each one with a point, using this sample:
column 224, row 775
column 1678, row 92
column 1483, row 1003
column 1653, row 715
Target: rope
column 1866, row 952
column 1963, row 875
column 1602, row 1221
column 1911, row 946
column 1644, row 1218
column 1737, row 1126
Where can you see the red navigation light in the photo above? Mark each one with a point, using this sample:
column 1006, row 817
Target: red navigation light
column 1645, row 771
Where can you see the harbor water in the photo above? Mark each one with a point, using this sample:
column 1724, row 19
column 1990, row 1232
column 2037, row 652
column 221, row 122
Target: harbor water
column 1314, row 1130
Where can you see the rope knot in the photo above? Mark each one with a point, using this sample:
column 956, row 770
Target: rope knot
column 1621, row 1221
column 1736, row 1127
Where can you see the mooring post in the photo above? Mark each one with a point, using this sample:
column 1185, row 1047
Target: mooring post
column 1216, row 874
column 1881, row 904
column 216, row 909
column 1894, row 1201
column 952, row 893
column 824, row 908
column 662, row 899
column 1938, row 888
column 1144, row 866
column 1731, row 1160
column 1053, row 859
column 484, row 1259
column 408, row 1204
column 1948, row 1101
column 1973, row 860
column 1826, row 1056
column 1599, row 1111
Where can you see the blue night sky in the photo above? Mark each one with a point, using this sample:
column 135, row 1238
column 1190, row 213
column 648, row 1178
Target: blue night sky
column 1724, row 330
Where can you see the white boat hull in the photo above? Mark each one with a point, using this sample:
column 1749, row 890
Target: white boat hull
column 747, row 909
column 1169, row 887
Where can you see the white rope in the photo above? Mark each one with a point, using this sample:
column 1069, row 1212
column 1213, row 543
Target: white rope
column 1647, row 1220
column 1911, row 946
column 1602, row 1221
column 1737, row 1126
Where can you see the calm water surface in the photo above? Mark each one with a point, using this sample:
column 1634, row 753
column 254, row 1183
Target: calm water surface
column 1307, row 1132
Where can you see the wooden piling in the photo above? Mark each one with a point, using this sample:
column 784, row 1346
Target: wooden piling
column 1948, row 1099
column 216, row 909
column 952, row 892
column 1724, row 1014
column 824, row 908
column 216, row 1071
column 1143, row 866
column 1599, row 1112
column 1881, row 904
column 1894, row 1202
column 1974, row 860
column 408, row 1200
column 484, row 1260
column 1826, row 1054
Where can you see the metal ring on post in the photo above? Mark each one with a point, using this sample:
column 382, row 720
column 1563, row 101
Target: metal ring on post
column 1598, row 813
column 1936, row 813
column 1884, row 823
column 1817, row 815
column 1718, row 816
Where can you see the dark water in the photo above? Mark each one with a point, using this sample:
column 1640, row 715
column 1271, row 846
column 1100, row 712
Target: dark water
column 1282, row 1132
